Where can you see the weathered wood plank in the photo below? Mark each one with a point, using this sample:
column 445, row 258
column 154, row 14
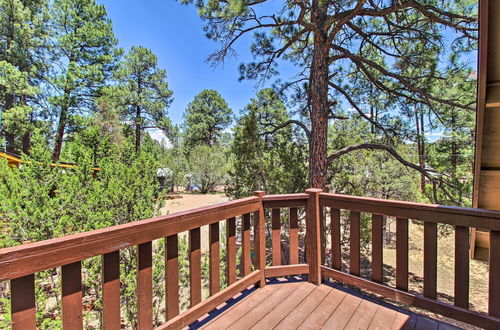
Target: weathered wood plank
column 209, row 304
column 246, row 244
column 377, row 247
column 233, row 314
column 294, row 236
column 320, row 315
column 430, row 260
column 354, row 244
column 272, row 319
column 276, row 236
column 335, row 229
column 402, row 254
column 172, row 276
column 304, row 309
column 231, row 250
column 286, row 270
column 214, row 259
column 144, row 286
column 285, row 201
column 343, row 313
column 253, row 316
column 71, row 287
column 23, row 309
column 461, row 267
column 111, row 290
column 363, row 316
column 195, row 266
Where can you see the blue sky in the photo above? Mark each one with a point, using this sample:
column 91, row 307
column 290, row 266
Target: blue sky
column 174, row 33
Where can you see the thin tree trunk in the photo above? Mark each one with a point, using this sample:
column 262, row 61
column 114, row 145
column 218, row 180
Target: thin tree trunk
column 454, row 148
column 422, row 154
column 61, row 127
column 420, row 149
column 137, row 128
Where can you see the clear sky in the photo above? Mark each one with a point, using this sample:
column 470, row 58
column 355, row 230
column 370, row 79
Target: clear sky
column 174, row 33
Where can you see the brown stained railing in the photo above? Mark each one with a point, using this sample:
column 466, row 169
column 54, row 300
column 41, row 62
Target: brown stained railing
column 461, row 218
column 19, row 264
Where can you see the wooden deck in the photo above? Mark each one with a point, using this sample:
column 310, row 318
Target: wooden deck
column 297, row 304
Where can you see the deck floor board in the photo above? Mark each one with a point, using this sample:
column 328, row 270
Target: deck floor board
column 297, row 304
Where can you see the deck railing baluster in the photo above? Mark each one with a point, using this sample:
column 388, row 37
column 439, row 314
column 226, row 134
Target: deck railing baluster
column 335, row 229
column 246, row 244
column 144, row 286
column 377, row 247
column 195, row 266
column 231, row 250
column 214, row 258
column 111, row 290
column 294, row 236
column 23, row 310
column 402, row 254
column 276, row 236
column 354, row 236
column 461, row 266
column 71, row 288
column 172, row 276
column 430, row 259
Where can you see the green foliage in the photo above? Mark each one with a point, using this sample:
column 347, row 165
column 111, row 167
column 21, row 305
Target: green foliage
column 23, row 39
column 41, row 202
column 142, row 91
column 206, row 117
column 207, row 166
column 263, row 159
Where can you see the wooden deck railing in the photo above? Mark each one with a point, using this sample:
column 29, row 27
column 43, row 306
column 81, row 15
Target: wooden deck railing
column 461, row 218
column 20, row 263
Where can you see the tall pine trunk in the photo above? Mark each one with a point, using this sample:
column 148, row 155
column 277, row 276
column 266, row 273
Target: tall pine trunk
column 61, row 127
column 319, row 108
column 318, row 98
column 137, row 127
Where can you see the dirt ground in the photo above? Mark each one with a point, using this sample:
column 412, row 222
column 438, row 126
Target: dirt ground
column 192, row 201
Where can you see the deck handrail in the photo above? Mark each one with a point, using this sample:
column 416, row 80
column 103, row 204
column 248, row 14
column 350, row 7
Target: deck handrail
column 461, row 218
column 18, row 264
column 34, row 257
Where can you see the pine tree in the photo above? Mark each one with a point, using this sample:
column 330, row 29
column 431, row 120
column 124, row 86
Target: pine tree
column 23, row 41
column 85, row 54
column 205, row 119
column 143, row 92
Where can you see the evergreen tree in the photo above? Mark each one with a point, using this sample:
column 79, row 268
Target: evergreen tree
column 144, row 93
column 205, row 118
column 23, row 44
column 85, row 54
column 266, row 157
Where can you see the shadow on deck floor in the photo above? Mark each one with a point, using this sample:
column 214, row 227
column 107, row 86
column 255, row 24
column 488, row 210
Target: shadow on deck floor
column 293, row 303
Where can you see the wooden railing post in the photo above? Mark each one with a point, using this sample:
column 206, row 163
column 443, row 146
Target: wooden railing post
column 313, row 236
column 260, row 239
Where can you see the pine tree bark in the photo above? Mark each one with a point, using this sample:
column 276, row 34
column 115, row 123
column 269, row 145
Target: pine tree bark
column 137, row 127
column 319, row 109
column 61, row 127
column 318, row 97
